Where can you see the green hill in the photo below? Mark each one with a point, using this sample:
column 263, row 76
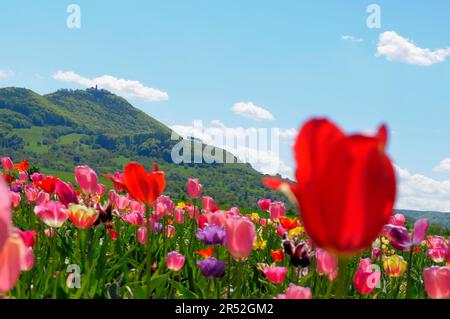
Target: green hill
column 95, row 127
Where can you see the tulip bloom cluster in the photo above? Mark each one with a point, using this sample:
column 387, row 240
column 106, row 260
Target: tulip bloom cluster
column 133, row 241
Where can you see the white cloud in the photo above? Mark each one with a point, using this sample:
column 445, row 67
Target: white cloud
column 6, row 74
column 252, row 111
column 351, row 38
column 396, row 48
column 419, row 192
column 264, row 158
column 123, row 87
column 443, row 166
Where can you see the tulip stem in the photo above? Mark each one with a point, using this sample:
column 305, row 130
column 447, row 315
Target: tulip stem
column 342, row 280
column 149, row 251
column 408, row 276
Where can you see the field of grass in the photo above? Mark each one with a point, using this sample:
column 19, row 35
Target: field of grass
column 33, row 138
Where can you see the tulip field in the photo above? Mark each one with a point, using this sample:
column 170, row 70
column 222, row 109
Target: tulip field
column 59, row 240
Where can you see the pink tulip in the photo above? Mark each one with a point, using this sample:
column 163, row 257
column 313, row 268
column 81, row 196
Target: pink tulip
column 436, row 242
column 163, row 199
column 36, row 177
column 31, row 192
column 15, row 199
column 86, row 179
column 28, row 237
column 121, row 202
column 264, row 204
column 137, row 207
column 66, row 193
column 52, row 213
column 192, row 211
column 194, row 188
column 142, row 235
column 49, row 232
column 327, row 264
column 101, row 190
column 12, row 260
column 178, row 215
column 263, row 222
column 7, row 164
column 175, row 261
column 277, row 209
column 5, row 213
column 437, row 254
column 134, row 218
column 23, row 177
column 296, row 292
column 366, row 279
column 207, row 203
column 170, row 231
column 240, row 234
column 397, row 220
column 217, row 218
column 276, row 275
column 161, row 210
column 234, row 211
column 42, row 198
column 376, row 253
column 281, row 231
column 437, row 282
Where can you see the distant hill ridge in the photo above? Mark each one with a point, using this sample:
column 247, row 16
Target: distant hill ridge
column 66, row 128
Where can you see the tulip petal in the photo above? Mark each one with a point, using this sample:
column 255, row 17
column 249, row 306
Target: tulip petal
column 420, row 230
column 12, row 257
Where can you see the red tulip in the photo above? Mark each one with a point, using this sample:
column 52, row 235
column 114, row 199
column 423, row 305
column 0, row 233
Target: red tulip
column 22, row 166
column 277, row 255
column 345, row 186
column 288, row 223
column 142, row 186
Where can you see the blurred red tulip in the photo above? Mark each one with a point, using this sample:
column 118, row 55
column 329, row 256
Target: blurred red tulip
column 142, row 186
column 345, row 187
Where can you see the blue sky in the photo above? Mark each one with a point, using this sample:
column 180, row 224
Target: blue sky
column 287, row 57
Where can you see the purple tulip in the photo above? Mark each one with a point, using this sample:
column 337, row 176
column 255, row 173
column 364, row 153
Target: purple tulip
column 400, row 238
column 212, row 235
column 212, row 268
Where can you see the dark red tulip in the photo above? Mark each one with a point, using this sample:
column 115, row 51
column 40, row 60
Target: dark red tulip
column 142, row 186
column 345, row 187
